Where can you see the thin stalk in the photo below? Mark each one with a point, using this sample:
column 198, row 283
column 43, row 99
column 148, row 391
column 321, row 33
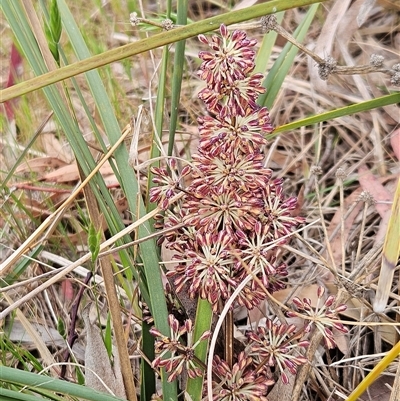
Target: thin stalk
column 361, row 236
column 229, row 327
column 342, row 223
column 112, row 299
column 375, row 373
column 177, row 75
column 155, row 151
column 203, row 321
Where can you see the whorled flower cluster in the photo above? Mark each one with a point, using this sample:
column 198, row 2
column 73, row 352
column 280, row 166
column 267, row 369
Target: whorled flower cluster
column 323, row 317
column 239, row 383
column 235, row 216
column 230, row 219
column 273, row 346
column 181, row 353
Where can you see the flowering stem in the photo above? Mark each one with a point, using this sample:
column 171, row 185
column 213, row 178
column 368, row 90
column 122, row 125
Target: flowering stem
column 203, row 323
column 235, row 219
column 229, row 338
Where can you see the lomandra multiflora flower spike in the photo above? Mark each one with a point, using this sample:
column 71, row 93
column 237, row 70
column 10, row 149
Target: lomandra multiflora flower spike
column 234, row 215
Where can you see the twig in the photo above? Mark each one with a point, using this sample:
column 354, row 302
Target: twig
column 72, row 336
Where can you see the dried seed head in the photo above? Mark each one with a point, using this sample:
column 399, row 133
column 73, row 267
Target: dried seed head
column 341, row 174
column 367, row 197
column 326, row 68
column 317, row 170
column 167, row 24
column 268, row 23
column 134, row 19
column 376, row 60
column 395, row 79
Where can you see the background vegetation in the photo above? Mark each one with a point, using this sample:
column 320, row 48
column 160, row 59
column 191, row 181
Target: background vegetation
column 336, row 144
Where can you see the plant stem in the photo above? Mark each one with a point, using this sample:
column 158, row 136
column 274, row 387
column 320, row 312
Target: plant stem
column 203, row 323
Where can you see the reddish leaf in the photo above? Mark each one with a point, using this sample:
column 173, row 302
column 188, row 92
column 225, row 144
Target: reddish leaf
column 14, row 73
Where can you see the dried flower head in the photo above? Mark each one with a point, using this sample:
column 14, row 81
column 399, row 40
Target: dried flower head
column 268, row 23
column 376, row 60
column 326, row 68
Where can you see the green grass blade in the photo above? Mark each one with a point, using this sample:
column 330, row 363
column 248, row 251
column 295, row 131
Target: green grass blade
column 203, row 323
column 277, row 74
column 148, row 384
column 159, row 118
column 27, row 42
column 149, row 254
column 264, row 54
column 32, row 380
column 16, row 17
column 17, row 395
column 177, row 75
column 343, row 111
column 124, row 173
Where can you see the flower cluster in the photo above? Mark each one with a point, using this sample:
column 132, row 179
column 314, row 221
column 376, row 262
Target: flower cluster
column 323, row 316
column 227, row 225
column 234, row 215
column 274, row 345
column 239, row 383
column 182, row 353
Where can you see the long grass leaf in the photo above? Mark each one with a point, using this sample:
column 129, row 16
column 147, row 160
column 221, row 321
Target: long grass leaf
column 177, row 75
column 390, row 255
column 18, row 396
column 148, row 382
column 153, row 42
column 343, row 111
column 149, row 255
column 159, row 111
column 203, row 323
column 31, row 380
